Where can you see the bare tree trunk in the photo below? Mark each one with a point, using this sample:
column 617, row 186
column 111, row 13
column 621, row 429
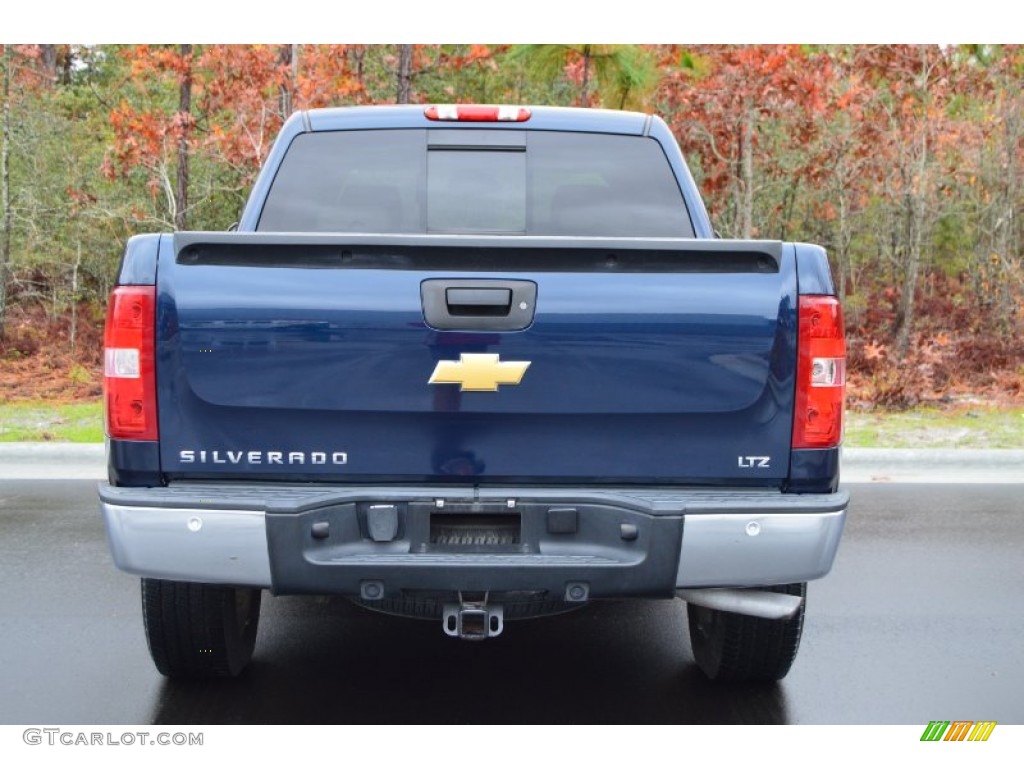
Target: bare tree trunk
column 789, row 198
column 286, row 90
column 289, row 56
column 585, row 84
column 74, row 296
column 914, row 213
column 905, row 309
column 48, row 58
column 5, row 189
column 746, row 212
column 358, row 54
column 66, row 64
column 404, row 74
column 1005, row 241
column 185, row 115
column 296, row 50
column 843, row 242
column 915, row 202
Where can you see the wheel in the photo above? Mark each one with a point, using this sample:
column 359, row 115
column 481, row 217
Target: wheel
column 199, row 630
column 730, row 647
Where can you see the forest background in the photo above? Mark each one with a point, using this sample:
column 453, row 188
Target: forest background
column 904, row 161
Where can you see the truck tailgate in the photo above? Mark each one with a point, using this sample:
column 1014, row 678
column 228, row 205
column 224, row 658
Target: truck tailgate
column 650, row 360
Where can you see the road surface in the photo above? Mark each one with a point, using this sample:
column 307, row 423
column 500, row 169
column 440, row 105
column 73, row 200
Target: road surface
column 921, row 619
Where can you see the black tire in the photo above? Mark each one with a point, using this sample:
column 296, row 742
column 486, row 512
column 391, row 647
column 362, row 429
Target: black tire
column 199, row 630
column 730, row 647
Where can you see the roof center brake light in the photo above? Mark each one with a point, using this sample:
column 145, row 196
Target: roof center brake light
column 476, row 113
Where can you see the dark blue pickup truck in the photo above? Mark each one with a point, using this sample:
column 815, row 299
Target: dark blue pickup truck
column 474, row 364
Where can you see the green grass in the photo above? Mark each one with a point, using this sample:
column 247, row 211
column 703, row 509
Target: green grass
column 51, row 422
column 975, row 427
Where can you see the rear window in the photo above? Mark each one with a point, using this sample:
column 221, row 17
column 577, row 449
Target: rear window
column 470, row 181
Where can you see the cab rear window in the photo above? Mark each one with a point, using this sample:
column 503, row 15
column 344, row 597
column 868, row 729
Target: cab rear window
column 471, row 181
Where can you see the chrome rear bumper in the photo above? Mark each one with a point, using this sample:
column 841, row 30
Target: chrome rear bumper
column 666, row 541
column 216, row 546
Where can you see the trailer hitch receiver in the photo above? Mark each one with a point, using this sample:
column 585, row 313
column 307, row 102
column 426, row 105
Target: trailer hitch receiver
column 473, row 619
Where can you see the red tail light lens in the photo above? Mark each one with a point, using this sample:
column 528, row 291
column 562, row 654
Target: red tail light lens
column 477, row 113
column 821, row 374
column 129, row 368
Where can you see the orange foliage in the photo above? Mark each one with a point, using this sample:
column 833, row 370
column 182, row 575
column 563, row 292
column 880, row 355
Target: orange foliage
column 240, row 95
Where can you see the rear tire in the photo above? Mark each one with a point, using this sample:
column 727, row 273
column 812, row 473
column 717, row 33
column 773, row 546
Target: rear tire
column 730, row 647
column 199, row 630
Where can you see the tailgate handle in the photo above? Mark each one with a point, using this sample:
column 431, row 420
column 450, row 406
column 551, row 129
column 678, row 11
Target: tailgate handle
column 479, row 302
column 466, row 304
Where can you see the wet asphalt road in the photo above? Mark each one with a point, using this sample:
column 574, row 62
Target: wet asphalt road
column 922, row 618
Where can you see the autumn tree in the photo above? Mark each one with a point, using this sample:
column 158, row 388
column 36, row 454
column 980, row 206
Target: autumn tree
column 995, row 186
column 842, row 164
column 613, row 76
column 152, row 132
column 330, row 76
column 64, row 223
column 914, row 89
column 240, row 109
column 5, row 188
column 25, row 72
column 725, row 103
column 184, row 120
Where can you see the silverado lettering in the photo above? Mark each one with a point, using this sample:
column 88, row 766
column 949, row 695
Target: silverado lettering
column 554, row 383
column 259, row 457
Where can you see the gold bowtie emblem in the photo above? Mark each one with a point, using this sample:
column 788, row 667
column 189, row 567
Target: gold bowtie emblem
column 478, row 373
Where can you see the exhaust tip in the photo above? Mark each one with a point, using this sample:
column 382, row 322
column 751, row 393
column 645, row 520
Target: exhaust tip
column 748, row 602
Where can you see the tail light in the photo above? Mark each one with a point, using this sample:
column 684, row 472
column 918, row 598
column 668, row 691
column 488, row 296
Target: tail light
column 477, row 113
column 129, row 369
column 821, row 374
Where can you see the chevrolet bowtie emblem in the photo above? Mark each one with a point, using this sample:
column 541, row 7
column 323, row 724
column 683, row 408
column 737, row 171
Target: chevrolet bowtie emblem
column 478, row 373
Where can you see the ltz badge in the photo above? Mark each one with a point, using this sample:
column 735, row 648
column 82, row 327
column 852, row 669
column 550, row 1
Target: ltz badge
column 478, row 372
